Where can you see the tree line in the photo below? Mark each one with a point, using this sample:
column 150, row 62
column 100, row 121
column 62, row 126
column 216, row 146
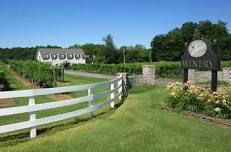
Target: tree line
column 166, row 47
column 169, row 46
column 19, row 53
column 106, row 53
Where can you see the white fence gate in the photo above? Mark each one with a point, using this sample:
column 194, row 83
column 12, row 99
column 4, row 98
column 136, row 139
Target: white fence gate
column 115, row 93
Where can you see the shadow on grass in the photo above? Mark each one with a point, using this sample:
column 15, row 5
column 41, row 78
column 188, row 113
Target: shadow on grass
column 141, row 89
column 24, row 135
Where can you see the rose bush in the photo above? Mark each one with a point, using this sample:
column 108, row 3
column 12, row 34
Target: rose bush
column 198, row 98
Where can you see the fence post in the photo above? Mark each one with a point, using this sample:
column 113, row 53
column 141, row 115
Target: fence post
column 32, row 117
column 90, row 95
column 113, row 96
column 120, row 82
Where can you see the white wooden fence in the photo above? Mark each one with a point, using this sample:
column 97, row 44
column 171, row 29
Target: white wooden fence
column 115, row 95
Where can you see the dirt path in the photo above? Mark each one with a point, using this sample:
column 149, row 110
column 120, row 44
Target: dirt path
column 26, row 82
column 6, row 102
column 29, row 85
column 59, row 96
column 91, row 75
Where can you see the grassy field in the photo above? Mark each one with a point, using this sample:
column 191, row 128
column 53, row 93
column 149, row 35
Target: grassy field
column 17, row 85
column 138, row 124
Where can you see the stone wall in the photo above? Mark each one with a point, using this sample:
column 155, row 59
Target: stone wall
column 201, row 76
column 148, row 76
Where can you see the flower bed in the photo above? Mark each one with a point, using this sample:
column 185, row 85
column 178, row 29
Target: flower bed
column 199, row 99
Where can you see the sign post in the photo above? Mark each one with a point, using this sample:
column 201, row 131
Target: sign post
column 185, row 78
column 200, row 54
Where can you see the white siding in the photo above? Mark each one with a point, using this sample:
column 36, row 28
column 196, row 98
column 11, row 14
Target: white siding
column 39, row 57
column 58, row 61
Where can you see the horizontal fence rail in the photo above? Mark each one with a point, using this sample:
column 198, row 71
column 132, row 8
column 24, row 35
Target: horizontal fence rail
column 115, row 93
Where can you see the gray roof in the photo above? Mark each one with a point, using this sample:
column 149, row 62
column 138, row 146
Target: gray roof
column 60, row 51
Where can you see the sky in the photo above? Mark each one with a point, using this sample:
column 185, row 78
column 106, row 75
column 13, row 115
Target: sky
column 28, row 23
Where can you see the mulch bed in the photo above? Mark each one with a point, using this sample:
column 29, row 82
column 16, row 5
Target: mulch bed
column 218, row 121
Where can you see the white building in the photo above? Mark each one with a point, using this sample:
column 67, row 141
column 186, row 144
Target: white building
column 58, row 56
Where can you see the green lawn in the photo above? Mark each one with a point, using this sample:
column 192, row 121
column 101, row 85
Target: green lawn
column 138, row 124
column 14, row 84
column 17, row 85
column 77, row 80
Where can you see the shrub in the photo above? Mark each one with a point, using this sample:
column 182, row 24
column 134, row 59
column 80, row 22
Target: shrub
column 164, row 69
column 168, row 69
column 109, row 68
column 36, row 72
column 4, row 85
column 226, row 63
column 199, row 99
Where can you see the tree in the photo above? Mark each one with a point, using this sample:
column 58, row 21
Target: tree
column 95, row 51
column 75, row 46
column 170, row 46
column 111, row 54
column 187, row 31
column 137, row 53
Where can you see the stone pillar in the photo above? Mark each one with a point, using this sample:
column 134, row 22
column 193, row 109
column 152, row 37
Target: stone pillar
column 148, row 73
column 203, row 76
column 191, row 75
column 226, row 74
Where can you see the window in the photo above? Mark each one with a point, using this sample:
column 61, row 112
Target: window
column 70, row 56
column 54, row 56
column 77, row 56
column 47, row 57
column 62, row 56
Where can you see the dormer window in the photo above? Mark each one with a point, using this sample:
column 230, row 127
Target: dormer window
column 62, row 56
column 77, row 56
column 54, row 56
column 47, row 56
column 70, row 56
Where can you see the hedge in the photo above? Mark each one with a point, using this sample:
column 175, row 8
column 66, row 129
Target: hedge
column 164, row 69
column 108, row 68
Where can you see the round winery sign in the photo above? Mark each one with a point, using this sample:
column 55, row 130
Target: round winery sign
column 201, row 55
column 197, row 48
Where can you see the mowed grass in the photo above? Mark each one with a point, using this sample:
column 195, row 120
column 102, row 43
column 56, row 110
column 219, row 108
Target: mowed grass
column 77, row 80
column 13, row 83
column 138, row 125
column 5, row 139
